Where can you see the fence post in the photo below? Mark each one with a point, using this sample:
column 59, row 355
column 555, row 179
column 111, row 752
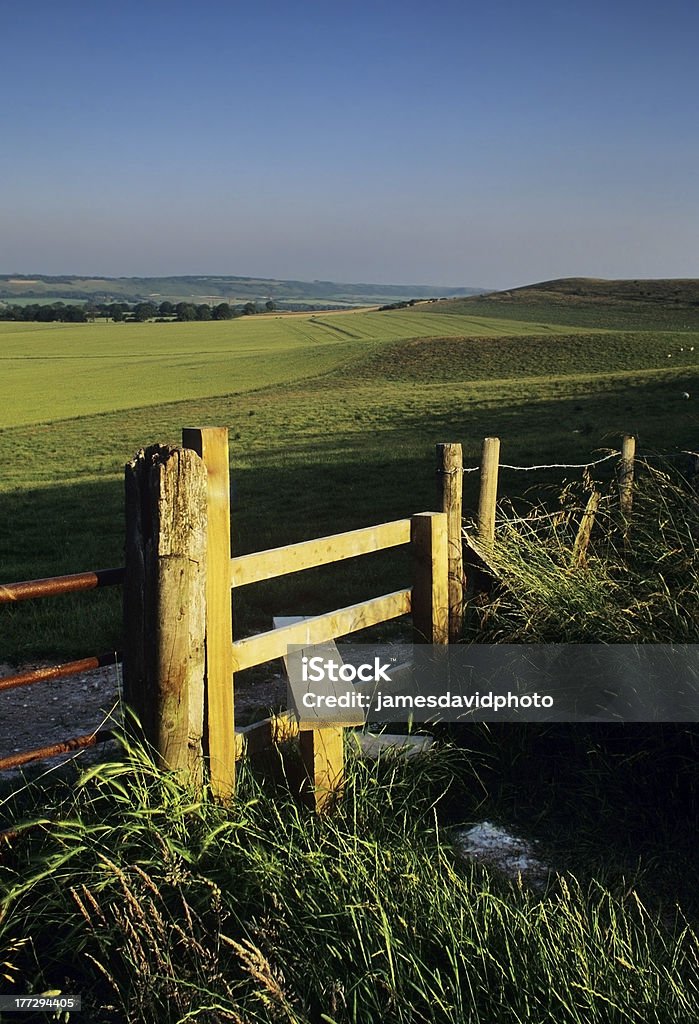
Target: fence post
column 165, row 603
column 582, row 539
column 211, row 443
column 450, row 482
column 430, row 598
column 628, row 454
column 323, row 758
column 488, row 496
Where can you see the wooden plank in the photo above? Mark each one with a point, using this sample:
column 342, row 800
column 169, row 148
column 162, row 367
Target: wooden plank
column 450, row 479
column 373, row 745
column 431, row 587
column 488, row 496
column 255, row 650
column 256, row 738
column 264, row 565
column 165, row 602
column 328, row 649
column 211, row 443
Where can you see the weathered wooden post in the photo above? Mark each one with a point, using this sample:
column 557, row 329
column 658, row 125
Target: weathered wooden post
column 430, row 597
column 211, row 443
column 628, row 454
column 582, row 539
column 450, row 478
column 488, row 496
column 165, row 603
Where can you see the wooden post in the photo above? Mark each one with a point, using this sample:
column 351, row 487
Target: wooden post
column 165, row 603
column 322, row 755
column 628, row 454
column 430, row 598
column 211, row 443
column 488, row 496
column 450, row 479
column 582, row 539
column 322, row 748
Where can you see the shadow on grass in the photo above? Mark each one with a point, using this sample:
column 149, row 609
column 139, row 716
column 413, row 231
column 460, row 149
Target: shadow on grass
column 304, row 483
column 612, row 801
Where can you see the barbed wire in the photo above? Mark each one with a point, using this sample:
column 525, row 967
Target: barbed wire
column 575, row 465
column 560, row 513
column 664, row 458
column 550, row 465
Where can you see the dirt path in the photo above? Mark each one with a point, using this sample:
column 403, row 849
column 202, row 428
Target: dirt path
column 52, row 712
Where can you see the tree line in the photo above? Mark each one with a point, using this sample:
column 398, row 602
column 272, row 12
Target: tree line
column 138, row 312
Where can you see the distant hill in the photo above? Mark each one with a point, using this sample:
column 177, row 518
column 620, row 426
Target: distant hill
column 662, row 304
column 212, row 289
column 673, row 291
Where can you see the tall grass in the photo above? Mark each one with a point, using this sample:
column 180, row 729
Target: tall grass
column 160, row 906
column 611, row 800
column 638, row 582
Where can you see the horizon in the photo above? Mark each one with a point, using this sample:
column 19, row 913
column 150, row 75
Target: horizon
column 480, row 147
column 38, row 274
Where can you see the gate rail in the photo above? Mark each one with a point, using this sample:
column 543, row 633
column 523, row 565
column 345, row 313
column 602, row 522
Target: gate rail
column 54, row 586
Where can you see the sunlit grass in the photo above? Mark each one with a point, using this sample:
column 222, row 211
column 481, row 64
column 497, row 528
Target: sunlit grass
column 158, row 905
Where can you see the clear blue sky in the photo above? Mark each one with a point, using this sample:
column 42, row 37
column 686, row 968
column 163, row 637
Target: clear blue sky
column 393, row 141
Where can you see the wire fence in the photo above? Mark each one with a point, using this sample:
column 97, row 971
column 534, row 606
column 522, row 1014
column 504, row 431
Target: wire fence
column 588, row 464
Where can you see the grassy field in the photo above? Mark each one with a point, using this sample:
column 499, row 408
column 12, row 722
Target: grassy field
column 55, row 371
column 157, row 905
column 663, row 305
column 333, row 422
column 366, row 915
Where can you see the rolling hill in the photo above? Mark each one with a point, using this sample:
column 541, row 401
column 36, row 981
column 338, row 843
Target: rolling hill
column 637, row 304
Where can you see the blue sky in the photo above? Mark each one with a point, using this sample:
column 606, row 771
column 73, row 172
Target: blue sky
column 398, row 142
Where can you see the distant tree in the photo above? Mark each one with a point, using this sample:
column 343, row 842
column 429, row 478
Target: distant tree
column 72, row 315
column 143, row 311
column 203, row 311
column 116, row 311
column 222, row 312
column 269, row 306
column 186, row 311
column 249, row 308
column 166, row 308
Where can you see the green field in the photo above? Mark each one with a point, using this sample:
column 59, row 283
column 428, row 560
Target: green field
column 662, row 305
column 55, row 371
column 333, row 421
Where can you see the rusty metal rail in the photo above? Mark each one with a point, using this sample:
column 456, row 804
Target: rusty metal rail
column 77, row 743
column 54, row 585
column 51, row 587
column 68, row 668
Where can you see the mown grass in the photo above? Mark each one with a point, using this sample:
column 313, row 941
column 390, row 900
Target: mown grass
column 158, row 905
column 54, row 371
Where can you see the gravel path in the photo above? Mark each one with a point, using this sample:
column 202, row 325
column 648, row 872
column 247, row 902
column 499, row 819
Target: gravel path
column 52, row 712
